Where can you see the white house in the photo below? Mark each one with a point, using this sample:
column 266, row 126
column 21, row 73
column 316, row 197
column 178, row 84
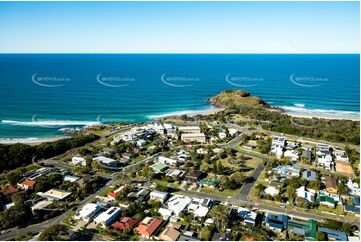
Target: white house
column 88, row 212
column 271, row 191
column 199, row 207
column 108, row 217
column 105, row 160
column 292, row 154
column 307, row 195
column 353, row 188
column 325, row 160
column 178, row 204
column 159, row 196
column 77, row 160
column 233, row 132
column 167, row 161
column 222, row 135
column 165, row 212
column 141, row 142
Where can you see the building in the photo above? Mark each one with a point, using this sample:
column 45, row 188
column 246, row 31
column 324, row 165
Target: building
column 292, row 154
column 141, row 142
column 307, row 155
column 41, row 205
column 71, row 179
column 276, row 222
column 125, row 224
column 167, row 161
column 249, row 217
column 209, row 182
column 331, row 185
column 326, row 200
column 55, row 194
column 307, row 195
column 148, row 227
column 199, row 207
column 194, row 176
column 175, row 173
column 26, row 184
column 108, row 217
column 77, row 160
column 88, row 212
column 159, row 167
column 159, row 196
column 171, row 232
column 334, row 234
column 353, row 188
column 326, row 161
column 193, row 137
column 106, row 161
column 178, row 204
column 309, row 175
column 271, row 191
column 189, row 129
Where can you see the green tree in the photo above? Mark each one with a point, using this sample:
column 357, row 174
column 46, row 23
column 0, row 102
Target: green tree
column 205, row 233
column 320, row 236
column 220, row 216
column 53, row 233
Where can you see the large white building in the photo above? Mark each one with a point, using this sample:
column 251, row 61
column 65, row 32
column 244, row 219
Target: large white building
column 189, row 129
column 88, row 212
column 167, row 161
column 77, row 160
column 178, row 204
column 159, row 196
column 307, row 195
column 108, row 217
column 105, row 160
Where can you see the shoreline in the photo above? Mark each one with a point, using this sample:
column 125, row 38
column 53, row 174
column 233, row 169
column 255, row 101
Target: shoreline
column 208, row 111
column 31, row 141
column 301, row 115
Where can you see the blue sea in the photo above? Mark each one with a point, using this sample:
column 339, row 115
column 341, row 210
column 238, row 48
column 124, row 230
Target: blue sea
column 43, row 94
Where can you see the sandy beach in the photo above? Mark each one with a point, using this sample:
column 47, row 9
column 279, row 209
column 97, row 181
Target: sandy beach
column 31, row 141
column 353, row 118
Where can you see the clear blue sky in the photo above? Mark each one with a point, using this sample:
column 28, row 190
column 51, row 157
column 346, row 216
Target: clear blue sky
column 179, row 27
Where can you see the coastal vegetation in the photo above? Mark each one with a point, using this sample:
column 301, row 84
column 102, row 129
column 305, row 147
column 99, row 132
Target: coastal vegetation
column 239, row 102
column 16, row 155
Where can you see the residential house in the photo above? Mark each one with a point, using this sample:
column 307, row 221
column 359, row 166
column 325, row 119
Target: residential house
column 277, row 222
column 309, row 175
column 77, row 160
column 188, row 236
column 292, row 154
column 26, row 184
column 178, row 204
column 88, row 212
column 193, row 137
column 271, row 191
column 307, row 195
column 199, row 207
column 334, row 234
column 353, row 188
column 189, row 129
column 167, row 161
column 331, row 185
column 125, row 224
column 194, row 176
column 159, row 196
column 249, row 217
column 55, row 194
column 175, row 173
column 326, row 200
column 171, row 232
column 105, row 161
column 212, row 183
column 307, row 155
column 159, row 167
column 108, row 217
column 148, row 227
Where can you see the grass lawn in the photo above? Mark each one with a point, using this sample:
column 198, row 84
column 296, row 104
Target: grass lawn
column 338, row 210
column 106, row 191
column 136, row 159
column 167, row 184
column 224, row 193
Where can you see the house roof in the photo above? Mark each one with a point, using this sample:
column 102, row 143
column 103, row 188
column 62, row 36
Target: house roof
column 149, row 226
column 209, row 182
column 324, row 198
column 172, row 232
column 330, row 182
column 195, row 173
column 125, row 223
column 28, row 182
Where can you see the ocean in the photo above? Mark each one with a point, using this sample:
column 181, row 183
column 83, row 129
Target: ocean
column 44, row 94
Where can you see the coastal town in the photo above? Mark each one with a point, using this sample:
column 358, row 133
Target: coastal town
column 187, row 180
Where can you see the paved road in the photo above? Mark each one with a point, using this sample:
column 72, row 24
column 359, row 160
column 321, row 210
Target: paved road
column 252, row 180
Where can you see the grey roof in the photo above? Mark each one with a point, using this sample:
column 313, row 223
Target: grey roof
column 309, row 175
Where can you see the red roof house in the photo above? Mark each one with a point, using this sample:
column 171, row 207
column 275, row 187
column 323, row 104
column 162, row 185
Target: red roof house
column 125, row 224
column 26, row 184
column 148, row 227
